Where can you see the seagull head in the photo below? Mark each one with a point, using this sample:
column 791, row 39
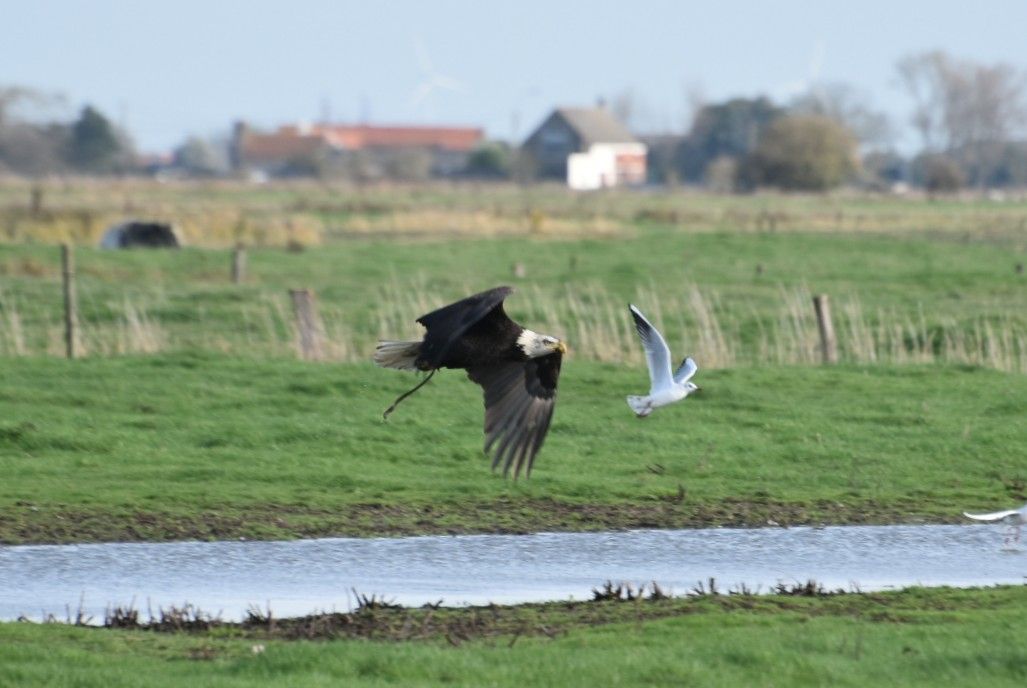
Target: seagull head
column 691, row 387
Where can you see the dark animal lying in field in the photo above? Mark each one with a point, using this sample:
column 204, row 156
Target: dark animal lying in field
column 516, row 368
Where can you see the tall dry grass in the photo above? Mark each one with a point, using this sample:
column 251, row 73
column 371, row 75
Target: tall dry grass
column 309, row 212
column 594, row 323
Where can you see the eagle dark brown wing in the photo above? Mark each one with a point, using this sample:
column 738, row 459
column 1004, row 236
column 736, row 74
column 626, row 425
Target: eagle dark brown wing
column 447, row 324
column 519, row 400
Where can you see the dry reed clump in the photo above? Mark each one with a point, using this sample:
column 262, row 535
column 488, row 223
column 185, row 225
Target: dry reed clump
column 223, row 227
column 12, row 333
column 208, row 227
column 535, row 206
column 304, row 213
column 462, row 222
column 61, row 226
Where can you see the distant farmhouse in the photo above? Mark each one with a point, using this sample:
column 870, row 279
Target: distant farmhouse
column 297, row 149
column 588, row 148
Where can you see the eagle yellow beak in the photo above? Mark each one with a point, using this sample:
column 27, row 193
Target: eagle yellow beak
column 561, row 347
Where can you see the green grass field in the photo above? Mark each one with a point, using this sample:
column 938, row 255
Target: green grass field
column 210, row 428
column 913, row 638
column 206, row 446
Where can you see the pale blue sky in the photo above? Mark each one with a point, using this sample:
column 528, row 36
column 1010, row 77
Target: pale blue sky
column 169, row 69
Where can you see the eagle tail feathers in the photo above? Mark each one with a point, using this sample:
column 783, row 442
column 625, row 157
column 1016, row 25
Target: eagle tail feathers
column 398, row 355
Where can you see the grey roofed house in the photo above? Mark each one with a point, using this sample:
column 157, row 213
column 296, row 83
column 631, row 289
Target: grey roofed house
column 572, row 130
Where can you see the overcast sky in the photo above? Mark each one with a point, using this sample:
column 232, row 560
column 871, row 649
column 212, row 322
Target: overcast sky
column 169, row 69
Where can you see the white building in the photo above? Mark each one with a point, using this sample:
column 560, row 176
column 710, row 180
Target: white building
column 606, row 164
column 588, row 148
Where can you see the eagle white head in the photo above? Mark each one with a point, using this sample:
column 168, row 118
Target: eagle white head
column 535, row 345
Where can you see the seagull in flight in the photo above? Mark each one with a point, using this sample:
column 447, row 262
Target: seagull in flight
column 1017, row 518
column 666, row 386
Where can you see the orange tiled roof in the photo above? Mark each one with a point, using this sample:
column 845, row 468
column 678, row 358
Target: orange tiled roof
column 369, row 136
column 293, row 141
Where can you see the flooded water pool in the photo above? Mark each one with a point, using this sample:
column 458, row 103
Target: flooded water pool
column 304, row 576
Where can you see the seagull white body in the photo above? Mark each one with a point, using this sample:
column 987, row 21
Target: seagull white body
column 1017, row 518
column 666, row 386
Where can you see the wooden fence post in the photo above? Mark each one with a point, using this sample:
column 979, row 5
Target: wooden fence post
column 70, row 302
column 308, row 322
column 828, row 343
column 36, row 199
column 238, row 264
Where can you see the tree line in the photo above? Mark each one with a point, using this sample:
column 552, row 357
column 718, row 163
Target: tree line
column 87, row 143
column 971, row 120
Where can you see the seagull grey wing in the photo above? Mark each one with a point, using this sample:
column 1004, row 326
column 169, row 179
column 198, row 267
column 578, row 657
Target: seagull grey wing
column 519, row 401
column 447, row 324
column 657, row 355
column 994, row 516
column 685, row 371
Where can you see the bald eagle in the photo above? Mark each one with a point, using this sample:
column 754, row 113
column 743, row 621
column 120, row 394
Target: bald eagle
column 516, row 368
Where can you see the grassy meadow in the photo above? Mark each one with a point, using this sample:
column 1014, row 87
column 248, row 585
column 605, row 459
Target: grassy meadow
column 912, row 638
column 191, row 417
column 211, row 446
column 929, row 304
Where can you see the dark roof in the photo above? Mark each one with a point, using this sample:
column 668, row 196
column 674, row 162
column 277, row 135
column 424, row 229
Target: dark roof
column 596, row 125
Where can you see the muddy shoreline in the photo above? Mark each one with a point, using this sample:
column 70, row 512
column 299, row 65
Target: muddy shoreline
column 377, row 619
column 24, row 524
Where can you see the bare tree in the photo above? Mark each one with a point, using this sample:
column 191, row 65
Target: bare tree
column 635, row 112
column 27, row 144
column 693, row 96
column 968, row 110
column 921, row 76
column 203, row 156
column 849, row 107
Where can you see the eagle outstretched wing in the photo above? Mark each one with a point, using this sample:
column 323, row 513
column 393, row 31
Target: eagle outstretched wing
column 449, row 323
column 519, row 400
